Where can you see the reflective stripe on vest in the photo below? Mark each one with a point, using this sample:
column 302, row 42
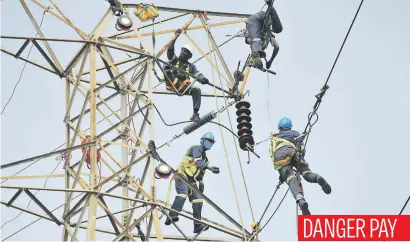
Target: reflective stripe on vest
column 178, row 84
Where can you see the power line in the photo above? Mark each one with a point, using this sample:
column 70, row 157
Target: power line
column 325, row 87
column 22, row 70
column 404, row 206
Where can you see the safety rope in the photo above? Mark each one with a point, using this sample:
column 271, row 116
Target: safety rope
column 223, row 141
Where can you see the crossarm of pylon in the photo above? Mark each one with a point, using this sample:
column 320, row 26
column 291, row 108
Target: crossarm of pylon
column 206, row 57
column 26, row 210
column 40, row 33
column 188, row 29
column 122, row 45
column 28, row 61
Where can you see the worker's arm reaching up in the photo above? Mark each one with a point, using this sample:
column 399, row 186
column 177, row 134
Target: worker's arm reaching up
column 171, row 48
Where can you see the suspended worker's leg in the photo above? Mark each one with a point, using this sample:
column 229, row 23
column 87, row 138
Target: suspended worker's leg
column 182, row 194
column 309, row 176
column 295, row 187
column 195, row 92
column 254, row 34
column 197, row 210
column 282, row 158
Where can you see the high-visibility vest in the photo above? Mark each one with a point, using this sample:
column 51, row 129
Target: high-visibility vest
column 277, row 143
column 180, row 85
column 188, row 167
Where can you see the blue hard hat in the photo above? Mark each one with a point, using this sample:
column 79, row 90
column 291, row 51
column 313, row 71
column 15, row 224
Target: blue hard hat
column 285, row 123
column 208, row 136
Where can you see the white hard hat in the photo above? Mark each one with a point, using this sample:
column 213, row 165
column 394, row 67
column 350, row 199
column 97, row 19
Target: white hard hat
column 188, row 47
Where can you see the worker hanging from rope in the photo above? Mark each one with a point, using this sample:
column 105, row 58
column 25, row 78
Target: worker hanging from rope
column 193, row 166
column 286, row 153
column 180, row 80
column 259, row 33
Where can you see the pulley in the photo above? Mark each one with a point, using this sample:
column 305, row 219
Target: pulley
column 256, row 226
column 123, row 23
column 162, row 171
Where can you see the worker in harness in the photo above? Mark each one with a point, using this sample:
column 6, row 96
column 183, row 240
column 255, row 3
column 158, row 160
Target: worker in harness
column 259, row 32
column 181, row 80
column 286, row 155
column 192, row 167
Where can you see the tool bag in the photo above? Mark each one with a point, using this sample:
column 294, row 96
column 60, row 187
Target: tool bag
column 146, row 12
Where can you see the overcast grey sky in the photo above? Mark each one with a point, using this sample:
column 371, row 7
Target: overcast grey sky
column 359, row 144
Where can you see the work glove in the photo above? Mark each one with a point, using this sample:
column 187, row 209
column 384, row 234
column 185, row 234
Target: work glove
column 214, row 169
column 204, row 81
column 178, row 32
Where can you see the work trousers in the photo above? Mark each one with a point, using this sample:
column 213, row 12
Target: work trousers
column 254, row 35
column 195, row 92
column 183, row 191
column 287, row 173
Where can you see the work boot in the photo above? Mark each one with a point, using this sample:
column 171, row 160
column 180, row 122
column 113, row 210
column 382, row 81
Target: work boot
column 177, row 206
column 196, row 210
column 304, row 207
column 256, row 60
column 200, row 227
column 325, row 186
column 195, row 117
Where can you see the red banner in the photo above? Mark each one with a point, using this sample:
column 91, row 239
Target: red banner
column 354, row 227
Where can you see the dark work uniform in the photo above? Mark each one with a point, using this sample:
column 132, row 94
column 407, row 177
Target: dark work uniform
column 254, row 25
column 181, row 80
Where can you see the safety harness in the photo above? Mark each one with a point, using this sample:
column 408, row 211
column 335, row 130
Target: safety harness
column 180, row 85
column 277, row 143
